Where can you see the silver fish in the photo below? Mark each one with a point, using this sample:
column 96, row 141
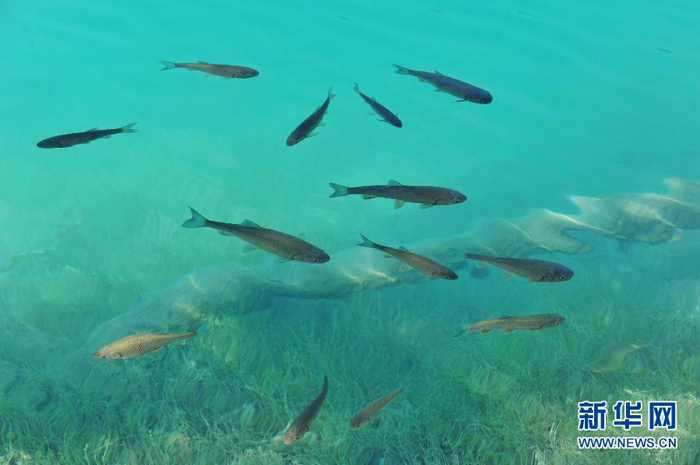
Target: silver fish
column 442, row 83
column 75, row 138
column 281, row 244
column 307, row 126
column 540, row 271
column 418, row 262
column 427, row 196
column 139, row 344
column 225, row 71
column 301, row 424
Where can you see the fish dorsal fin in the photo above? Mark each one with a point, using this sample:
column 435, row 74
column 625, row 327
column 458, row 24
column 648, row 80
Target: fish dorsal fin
column 202, row 62
column 393, row 182
column 250, row 224
column 398, row 204
column 92, row 129
column 439, row 73
column 403, row 249
column 404, row 268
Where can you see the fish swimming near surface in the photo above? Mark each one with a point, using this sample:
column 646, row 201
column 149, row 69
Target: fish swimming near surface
column 612, row 358
column 305, row 129
column 281, row 244
column 139, row 344
column 540, row 271
column 75, row 138
column 301, row 424
column 426, row 196
column 363, row 418
column 442, row 83
column 514, row 323
column 383, row 112
column 418, row 262
column 225, row 71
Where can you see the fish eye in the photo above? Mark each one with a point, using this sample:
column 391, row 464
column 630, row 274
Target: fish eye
column 562, row 277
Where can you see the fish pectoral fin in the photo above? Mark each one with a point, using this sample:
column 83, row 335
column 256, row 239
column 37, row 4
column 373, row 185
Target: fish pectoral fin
column 507, row 275
column 485, row 330
column 398, row 204
column 404, row 268
column 386, row 255
column 508, row 330
column 480, row 265
column 321, row 124
column 225, row 233
column 283, row 259
column 107, row 136
column 367, row 196
column 426, row 205
column 251, row 224
column 249, row 248
column 439, row 90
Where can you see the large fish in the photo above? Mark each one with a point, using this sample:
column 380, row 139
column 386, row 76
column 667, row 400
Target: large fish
column 139, row 344
column 514, row 323
column 75, row 138
column 540, row 271
column 383, row 112
column 418, row 262
column 363, row 418
column 442, row 83
column 300, row 426
column 225, row 71
column 281, row 244
column 427, row 196
column 307, row 126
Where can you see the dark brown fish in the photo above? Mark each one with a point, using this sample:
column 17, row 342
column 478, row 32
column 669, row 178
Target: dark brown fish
column 75, row 138
column 363, row 418
column 281, row 244
column 442, row 83
column 514, row 323
column 307, row 126
column 225, row 71
column 418, row 262
column 426, row 196
column 139, row 344
column 383, row 112
column 540, row 271
column 301, row 425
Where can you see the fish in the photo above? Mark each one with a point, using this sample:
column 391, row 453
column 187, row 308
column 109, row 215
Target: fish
column 514, row 323
column 418, row 262
column 307, row 126
column 363, row 417
column 383, row 112
column 426, row 196
column 75, row 138
column 139, row 344
column 540, row 271
column 465, row 92
column 301, row 424
column 281, row 244
column 612, row 358
column 225, row 71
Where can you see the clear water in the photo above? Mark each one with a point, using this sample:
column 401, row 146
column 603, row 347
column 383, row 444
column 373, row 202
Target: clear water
column 593, row 99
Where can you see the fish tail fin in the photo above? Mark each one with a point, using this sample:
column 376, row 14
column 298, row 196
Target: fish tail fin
column 338, row 190
column 367, row 243
column 167, row 65
column 357, row 88
column 197, row 220
column 129, row 128
column 330, row 93
column 190, row 334
column 401, row 70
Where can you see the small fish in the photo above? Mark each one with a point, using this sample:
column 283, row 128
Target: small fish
column 307, row 126
column 139, row 344
column 442, row 83
column 283, row 245
column 300, row 426
column 514, row 323
column 612, row 358
column 540, row 271
column 418, row 262
column 225, row 71
column 363, row 418
column 383, row 112
column 75, row 138
column 427, row 196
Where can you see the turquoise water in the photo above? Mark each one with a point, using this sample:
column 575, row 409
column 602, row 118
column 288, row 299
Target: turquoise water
column 577, row 160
